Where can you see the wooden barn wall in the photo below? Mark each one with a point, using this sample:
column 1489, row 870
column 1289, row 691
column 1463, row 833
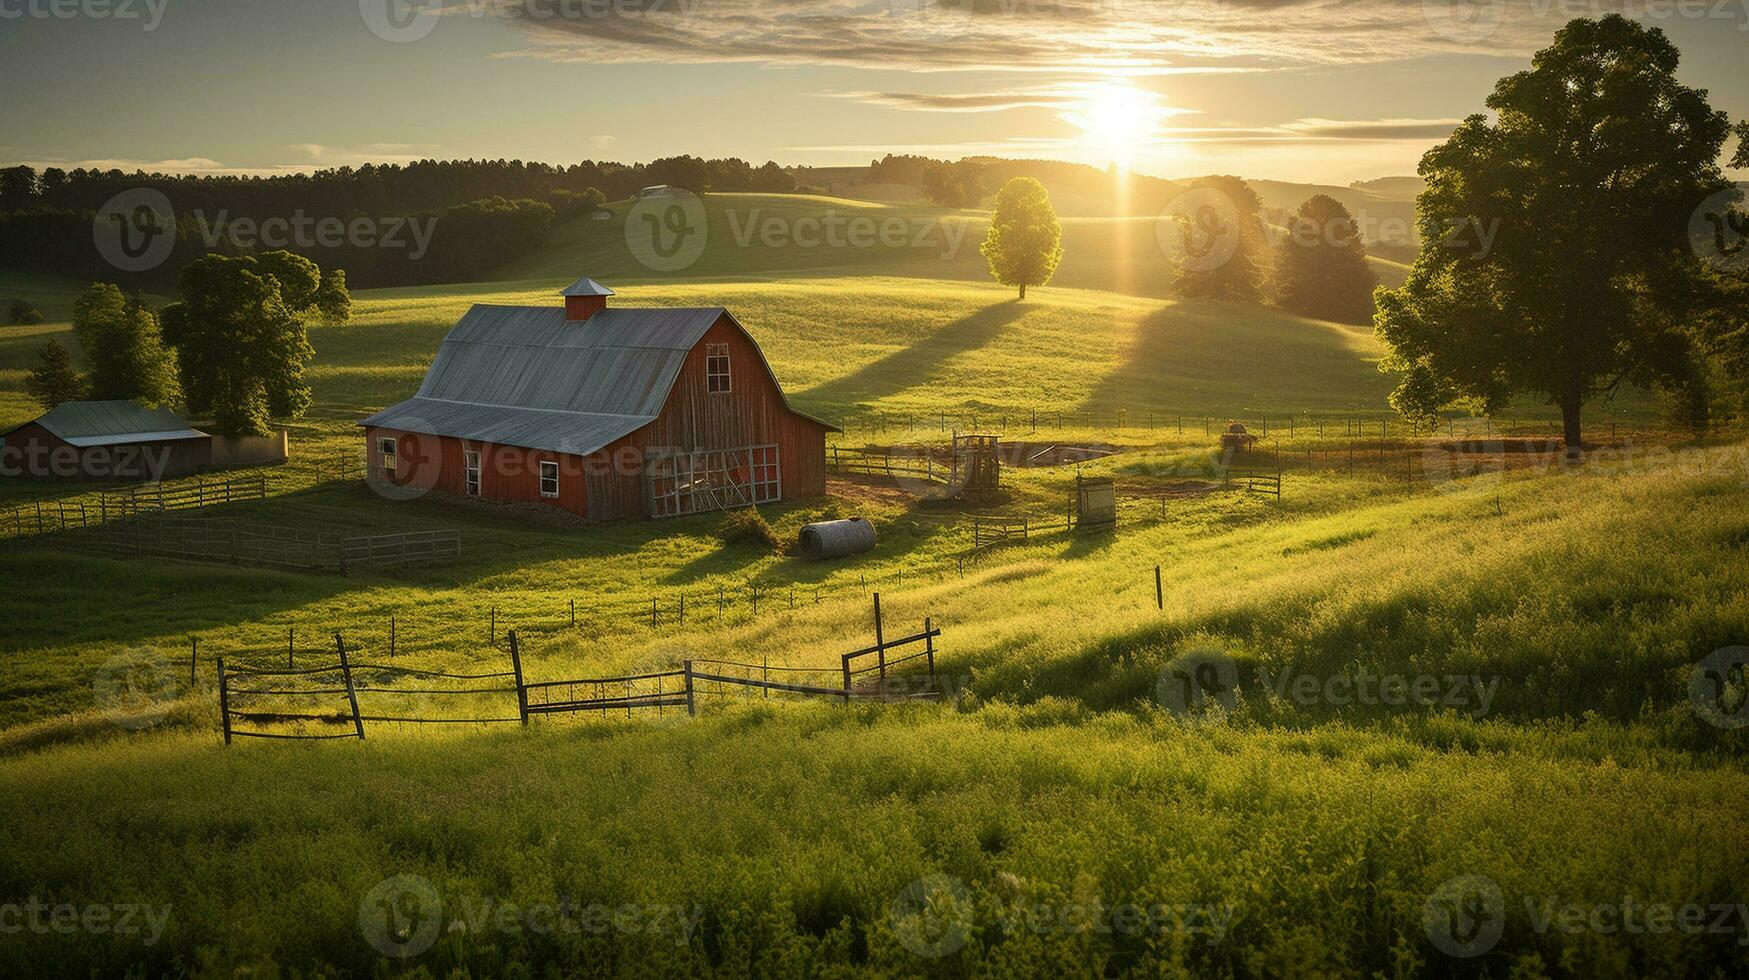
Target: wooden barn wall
column 187, row 456
column 610, row 483
column 751, row 413
column 508, row 474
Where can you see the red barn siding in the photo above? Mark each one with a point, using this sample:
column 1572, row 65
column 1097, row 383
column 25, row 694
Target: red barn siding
column 609, row 484
column 29, row 450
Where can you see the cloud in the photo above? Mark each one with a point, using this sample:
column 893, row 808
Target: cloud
column 1138, row 37
column 1373, row 129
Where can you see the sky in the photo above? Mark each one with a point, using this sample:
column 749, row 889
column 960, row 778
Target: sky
column 1318, row 91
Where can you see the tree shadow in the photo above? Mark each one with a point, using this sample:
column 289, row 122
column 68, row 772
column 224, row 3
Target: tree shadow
column 1225, row 358
column 912, row 365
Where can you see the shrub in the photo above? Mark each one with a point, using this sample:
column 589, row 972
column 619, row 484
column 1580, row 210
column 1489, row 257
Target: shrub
column 22, row 314
column 748, row 527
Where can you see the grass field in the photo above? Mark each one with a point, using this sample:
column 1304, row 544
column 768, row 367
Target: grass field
column 1063, row 812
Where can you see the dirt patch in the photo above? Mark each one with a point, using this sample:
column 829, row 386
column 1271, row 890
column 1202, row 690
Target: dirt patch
column 1033, row 454
column 1177, row 489
column 856, row 490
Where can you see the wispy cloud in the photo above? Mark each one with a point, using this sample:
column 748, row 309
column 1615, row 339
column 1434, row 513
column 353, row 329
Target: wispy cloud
column 1106, row 37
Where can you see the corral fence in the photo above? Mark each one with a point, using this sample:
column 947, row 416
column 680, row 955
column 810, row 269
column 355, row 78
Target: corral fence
column 917, row 464
column 103, row 506
column 260, row 697
column 253, row 699
column 265, row 545
column 1256, row 476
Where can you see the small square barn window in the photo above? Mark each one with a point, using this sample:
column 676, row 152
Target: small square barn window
column 549, row 479
column 716, row 368
column 471, row 472
column 386, row 447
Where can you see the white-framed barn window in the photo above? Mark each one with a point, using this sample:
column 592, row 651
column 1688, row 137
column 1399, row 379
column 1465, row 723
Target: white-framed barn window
column 716, row 369
column 549, row 478
column 471, row 471
column 706, row 480
column 386, row 447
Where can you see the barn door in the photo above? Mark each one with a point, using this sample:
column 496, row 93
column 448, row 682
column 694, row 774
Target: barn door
column 704, row 480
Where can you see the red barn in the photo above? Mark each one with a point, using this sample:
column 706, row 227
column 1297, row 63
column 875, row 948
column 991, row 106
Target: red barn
column 109, row 440
column 605, row 413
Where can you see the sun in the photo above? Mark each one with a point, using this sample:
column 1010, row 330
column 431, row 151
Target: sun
column 1116, row 119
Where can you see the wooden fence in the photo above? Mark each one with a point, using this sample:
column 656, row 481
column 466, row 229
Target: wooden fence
column 1255, row 477
column 281, row 705
column 120, row 503
column 278, row 704
column 916, row 465
column 267, row 545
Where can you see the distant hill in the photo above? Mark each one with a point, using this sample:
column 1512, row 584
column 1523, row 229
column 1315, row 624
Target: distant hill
column 1385, row 207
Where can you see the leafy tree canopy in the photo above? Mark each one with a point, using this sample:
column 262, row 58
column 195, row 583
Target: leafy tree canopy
column 240, row 333
column 1558, row 260
column 125, row 348
column 1217, row 240
column 1025, row 241
column 1320, row 266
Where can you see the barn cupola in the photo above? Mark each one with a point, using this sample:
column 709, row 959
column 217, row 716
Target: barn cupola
column 584, row 298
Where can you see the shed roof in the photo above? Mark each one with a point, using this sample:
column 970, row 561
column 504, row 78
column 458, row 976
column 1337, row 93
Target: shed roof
column 113, row 423
column 526, row 376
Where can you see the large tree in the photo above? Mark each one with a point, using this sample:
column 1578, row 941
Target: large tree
column 1557, row 259
column 54, row 379
column 1320, row 266
column 1025, row 241
column 125, row 348
column 1216, row 238
column 240, row 332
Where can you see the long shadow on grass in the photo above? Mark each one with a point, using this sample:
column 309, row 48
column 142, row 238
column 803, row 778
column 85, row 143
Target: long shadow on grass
column 911, row 366
column 1228, row 357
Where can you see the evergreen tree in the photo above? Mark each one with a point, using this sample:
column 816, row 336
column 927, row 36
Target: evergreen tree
column 54, row 379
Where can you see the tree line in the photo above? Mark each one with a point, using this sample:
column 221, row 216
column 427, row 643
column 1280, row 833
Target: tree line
column 480, row 214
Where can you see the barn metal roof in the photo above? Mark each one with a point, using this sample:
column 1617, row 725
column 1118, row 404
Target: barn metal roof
column 526, row 376
column 586, row 287
column 113, row 423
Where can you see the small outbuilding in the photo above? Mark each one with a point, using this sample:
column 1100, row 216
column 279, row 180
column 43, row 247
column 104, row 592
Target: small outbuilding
column 107, row 440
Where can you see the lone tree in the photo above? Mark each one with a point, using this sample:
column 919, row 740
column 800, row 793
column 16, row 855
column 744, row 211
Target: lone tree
column 1025, row 242
column 1320, row 266
column 1217, row 240
column 54, row 380
column 125, row 348
column 1557, row 260
column 241, row 335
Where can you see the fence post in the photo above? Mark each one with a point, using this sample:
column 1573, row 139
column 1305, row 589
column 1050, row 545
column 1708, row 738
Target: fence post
column 880, row 644
column 391, row 634
column 573, row 613
column 492, row 626
column 691, row 706
column 929, row 650
column 1159, row 590
column 845, row 661
column 351, row 692
column 193, row 659
column 652, row 612
column 224, row 701
column 521, row 690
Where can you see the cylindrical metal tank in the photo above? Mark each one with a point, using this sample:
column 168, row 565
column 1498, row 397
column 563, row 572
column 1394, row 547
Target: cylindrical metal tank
column 837, row 539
